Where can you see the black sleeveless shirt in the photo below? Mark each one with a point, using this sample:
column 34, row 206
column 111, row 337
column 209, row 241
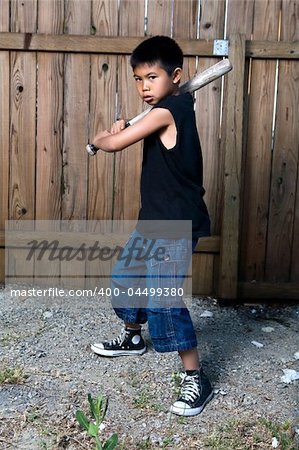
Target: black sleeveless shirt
column 171, row 179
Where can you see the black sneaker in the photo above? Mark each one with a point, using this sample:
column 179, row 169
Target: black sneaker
column 196, row 392
column 129, row 342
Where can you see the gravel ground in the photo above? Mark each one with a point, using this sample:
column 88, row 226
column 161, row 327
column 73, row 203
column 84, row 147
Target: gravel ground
column 46, row 343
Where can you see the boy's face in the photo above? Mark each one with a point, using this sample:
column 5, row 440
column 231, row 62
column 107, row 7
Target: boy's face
column 153, row 83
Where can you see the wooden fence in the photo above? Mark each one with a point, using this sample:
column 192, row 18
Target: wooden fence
column 64, row 74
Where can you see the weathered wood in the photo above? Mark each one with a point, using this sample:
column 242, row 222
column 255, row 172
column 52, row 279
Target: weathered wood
column 49, row 132
column 128, row 162
column 22, row 126
column 102, row 113
column 4, row 16
column 261, row 92
column 202, row 274
column 229, row 251
column 290, row 31
column 267, row 50
column 49, row 136
column 255, row 19
column 49, row 118
column 239, row 20
column 92, row 44
column 285, row 161
column 23, row 104
column 75, row 161
column 185, row 25
column 115, row 45
column 240, row 17
column 76, row 106
column 4, row 131
column 159, row 17
column 279, row 291
column 208, row 103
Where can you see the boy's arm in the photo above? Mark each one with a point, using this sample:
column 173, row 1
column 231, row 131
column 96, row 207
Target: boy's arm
column 114, row 142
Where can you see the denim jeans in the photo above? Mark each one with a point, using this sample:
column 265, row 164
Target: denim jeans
column 169, row 322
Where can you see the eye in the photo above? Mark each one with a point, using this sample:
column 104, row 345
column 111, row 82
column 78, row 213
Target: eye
column 152, row 77
column 137, row 79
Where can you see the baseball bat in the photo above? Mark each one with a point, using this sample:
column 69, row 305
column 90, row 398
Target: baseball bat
column 200, row 80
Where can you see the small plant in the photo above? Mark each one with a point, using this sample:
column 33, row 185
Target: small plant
column 176, row 380
column 12, row 376
column 98, row 409
column 145, row 400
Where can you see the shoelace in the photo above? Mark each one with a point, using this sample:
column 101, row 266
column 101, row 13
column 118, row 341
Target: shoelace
column 120, row 338
column 190, row 387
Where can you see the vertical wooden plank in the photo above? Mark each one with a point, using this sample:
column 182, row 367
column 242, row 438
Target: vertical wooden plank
column 128, row 162
column 290, row 31
column 240, row 17
column 49, row 117
column 102, row 112
column 76, row 105
column 258, row 149
column 102, row 115
column 229, row 249
column 4, row 131
column 49, row 134
column 282, row 265
column 239, row 20
column 159, row 17
column 75, row 159
column 202, row 274
column 185, row 15
column 208, row 103
column 22, row 125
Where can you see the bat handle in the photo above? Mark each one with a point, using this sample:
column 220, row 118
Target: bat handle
column 92, row 149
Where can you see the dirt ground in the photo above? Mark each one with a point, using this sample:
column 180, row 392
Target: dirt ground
column 47, row 370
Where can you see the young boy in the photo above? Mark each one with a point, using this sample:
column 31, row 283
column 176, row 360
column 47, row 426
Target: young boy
column 171, row 190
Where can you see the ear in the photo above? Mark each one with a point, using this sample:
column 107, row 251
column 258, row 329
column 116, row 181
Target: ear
column 177, row 75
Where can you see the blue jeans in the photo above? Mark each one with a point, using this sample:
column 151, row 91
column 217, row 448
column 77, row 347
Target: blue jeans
column 169, row 321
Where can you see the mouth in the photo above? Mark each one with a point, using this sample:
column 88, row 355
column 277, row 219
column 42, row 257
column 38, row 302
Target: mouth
column 148, row 99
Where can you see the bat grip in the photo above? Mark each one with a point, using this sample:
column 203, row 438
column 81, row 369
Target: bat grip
column 92, row 149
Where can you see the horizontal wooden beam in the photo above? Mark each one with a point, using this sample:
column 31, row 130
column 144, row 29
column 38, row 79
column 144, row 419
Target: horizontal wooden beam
column 280, row 291
column 20, row 239
column 269, row 49
column 125, row 45
column 209, row 244
column 91, row 44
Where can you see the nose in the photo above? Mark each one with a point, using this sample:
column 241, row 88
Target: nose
column 145, row 86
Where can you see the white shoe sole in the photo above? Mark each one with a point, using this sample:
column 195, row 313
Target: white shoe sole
column 188, row 412
column 103, row 352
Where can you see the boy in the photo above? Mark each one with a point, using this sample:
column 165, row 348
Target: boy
column 171, row 190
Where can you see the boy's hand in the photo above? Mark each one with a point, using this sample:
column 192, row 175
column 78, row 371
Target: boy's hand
column 99, row 136
column 118, row 126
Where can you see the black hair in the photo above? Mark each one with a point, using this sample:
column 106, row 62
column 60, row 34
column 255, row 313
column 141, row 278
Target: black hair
column 158, row 49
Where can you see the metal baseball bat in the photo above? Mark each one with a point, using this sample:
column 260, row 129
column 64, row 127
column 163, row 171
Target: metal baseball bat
column 199, row 81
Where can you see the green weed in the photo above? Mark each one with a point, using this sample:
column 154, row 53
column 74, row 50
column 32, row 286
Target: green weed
column 12, row 376
column 245, row 435
column 98, row 408
column 145, row 400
